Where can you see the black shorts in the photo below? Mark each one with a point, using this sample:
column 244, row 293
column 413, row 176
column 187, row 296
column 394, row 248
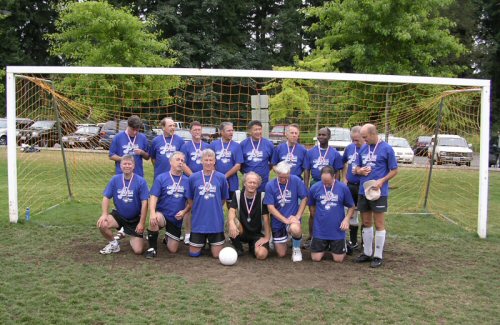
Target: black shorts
column 354, row 188
column 198, row 240
column 333, row 246
column 365, row 205
column 171, row 230
column 128, row 225
column 231, row 193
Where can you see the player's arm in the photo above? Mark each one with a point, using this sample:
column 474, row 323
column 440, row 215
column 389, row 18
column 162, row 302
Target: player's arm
column 344, row 173
column 144, row 213
column 142, row 153
column 386, row 178
column 277, row 214
column 104, row 210
column 233, row 170
column 267, row 227
column 301, row 210
column 345, row 223
column 115, row 157
column 312, row 211
column 187, row 170
column 179, row 215
column 231, row 216
column 307, row 177
column 153, row 200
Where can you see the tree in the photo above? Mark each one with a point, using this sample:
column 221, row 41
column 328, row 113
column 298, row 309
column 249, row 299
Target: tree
column 385, row 37
column 96, row 34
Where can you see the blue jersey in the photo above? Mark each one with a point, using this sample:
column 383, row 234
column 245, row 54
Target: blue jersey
column 285, row 200
column 381, row 159
column 193, row 154
column 330, row 203
column 350, row 157
column 294, row 155
column 127, row 196
column 257, row 157
column 227, row 155
column 171, row 193
column 161, row 149
column 318, row 158
column 207, row 196
column 123, row 145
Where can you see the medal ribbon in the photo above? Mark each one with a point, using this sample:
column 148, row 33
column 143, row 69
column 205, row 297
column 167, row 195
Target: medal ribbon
column 323, row 157
column 251, row 205
column 127, row 187
column 224, row 150
column 258, row 145
column 209, row 181
column 281, row 192
column 371, row 153
column 290, row 154
column 331, row 190
column 176, row 185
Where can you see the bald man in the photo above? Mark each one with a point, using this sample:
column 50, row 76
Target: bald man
column 376, row 161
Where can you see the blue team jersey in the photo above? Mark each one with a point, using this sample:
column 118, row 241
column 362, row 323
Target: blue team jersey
column 161, row 149
column 285, row 201
column 171, row 193
column 227, row 155
column 294, row 155
column 382, row 160
column 193, row 154
column 350, row 157
column 315, row 162
column 123, row 145
column 207, row 213
column 257, row 158
column 127, row 198
column 329, row 209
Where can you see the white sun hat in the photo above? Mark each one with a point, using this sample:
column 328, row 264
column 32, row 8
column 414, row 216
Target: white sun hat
column 371, row 193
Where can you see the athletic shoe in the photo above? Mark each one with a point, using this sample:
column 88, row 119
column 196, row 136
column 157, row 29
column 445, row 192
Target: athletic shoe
column 239, row 251
column 363, row 258
column 377, row 262
column 120, row 234
column 354, row 246
column 186, row 239
column 150, row 253
column 110, row 249
column 349, row 250
column 296, row 255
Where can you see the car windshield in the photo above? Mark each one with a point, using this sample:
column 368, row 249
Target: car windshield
column 87, row 130
column 278, row 129
column 401, row 143
column 340, row 135
column 452, row 142
column 424, row 139
column 208, row 130
column 3, row 124
column 43, row 125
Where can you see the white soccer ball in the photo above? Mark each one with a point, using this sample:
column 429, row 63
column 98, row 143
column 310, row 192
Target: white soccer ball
column 228, row 256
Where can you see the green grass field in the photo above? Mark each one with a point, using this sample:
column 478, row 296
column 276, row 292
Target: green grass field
column 434, row 272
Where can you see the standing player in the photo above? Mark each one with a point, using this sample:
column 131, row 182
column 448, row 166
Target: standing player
column 207, row 192
column 376, row 161
column 229, row 157
column 130, row 197
column 291, row 151
column 257, row 153
column 248, row 219
column 282, row 199
column 167, row 206
column 327, row 200
column 192, row 150
column 163, row 146
column 318, row 157
column 352, row 180
column 130, row 142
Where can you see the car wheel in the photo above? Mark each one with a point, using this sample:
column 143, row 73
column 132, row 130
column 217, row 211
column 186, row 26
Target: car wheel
column 3, row 141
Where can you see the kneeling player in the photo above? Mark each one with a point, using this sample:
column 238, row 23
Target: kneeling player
column 327, row 200
column 207, row 192
column 167, row 205
column 248, row 219
column 282, row 198
column 130, row 197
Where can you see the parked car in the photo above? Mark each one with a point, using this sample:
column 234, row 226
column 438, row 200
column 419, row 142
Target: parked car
column 21, row 123
column 110, row 129
column 494, row 157
column 185, row 134
column 239, row 136
column 422, row 145
column 404, row 153
column 340, row 138
column 451, row 148
column 45, row 133
column 209, row 133
column 278, row 134
column 86, row 136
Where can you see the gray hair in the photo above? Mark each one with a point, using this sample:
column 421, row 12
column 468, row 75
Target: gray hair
column 207, row 153
column 355, row 129
column 176, row 153
column 134, row 122
column 224, row 124
column 283, row 167
column 259, row 179
column 128, row 157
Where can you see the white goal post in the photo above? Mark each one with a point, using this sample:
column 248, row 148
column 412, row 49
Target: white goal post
column 484, row 85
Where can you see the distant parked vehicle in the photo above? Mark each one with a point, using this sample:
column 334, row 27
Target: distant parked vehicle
column 340, row 138
column 110, row 129
column 239, row 136
column 185, row 134
column 452, row 149
column 209, row 133
column 21, row 123
column 278, row 134
column 402, row 149
column 86, row 136
column 494, row 157
column 45, row 133
column 422, row 145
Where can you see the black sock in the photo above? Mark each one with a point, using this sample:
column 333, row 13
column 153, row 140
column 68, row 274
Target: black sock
column 353, row 234
column 153, row 239
column 237, row 243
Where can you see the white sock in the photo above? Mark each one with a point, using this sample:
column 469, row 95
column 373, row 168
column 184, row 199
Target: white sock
column 368, row 241
column 354, row 219
column 379, row 243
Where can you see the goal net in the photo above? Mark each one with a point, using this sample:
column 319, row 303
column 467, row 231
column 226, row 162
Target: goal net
column 407, row 111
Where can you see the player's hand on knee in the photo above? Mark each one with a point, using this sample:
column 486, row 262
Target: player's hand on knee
column 102, row 221
column 294, row 219
column 233, row 230
column 140, row 228
column 153, row 221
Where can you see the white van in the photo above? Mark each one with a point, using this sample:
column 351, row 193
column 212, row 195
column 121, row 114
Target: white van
column 451, row 149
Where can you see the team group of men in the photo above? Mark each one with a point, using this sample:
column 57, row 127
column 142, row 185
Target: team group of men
column 194, row 180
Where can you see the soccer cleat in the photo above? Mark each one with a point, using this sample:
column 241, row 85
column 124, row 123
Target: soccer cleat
column 186, row 239
column 150, row 253
column 363, row 258
column 120, row 234
column 110, row 249
column 354, row 246
column 376, row 262
column 239, row 251
column 296, row 255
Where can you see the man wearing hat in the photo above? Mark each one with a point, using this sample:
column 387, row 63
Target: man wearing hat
column 376, row 165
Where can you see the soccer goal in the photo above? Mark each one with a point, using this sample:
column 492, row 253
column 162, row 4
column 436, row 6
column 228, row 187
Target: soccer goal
column 44, row 170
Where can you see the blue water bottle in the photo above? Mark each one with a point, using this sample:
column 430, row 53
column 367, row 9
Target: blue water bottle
column 28, row 214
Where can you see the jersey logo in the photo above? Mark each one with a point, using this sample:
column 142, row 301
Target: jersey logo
column 224, row 156
column 175, row 191
column 167, row 150
column 126, row 195
column 128, row 149
column 329, row 200
column 207, row 191
column 285, row 198
column 255, row 155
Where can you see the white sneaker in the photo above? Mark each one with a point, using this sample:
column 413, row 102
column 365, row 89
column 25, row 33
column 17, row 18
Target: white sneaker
column 110, row 249
column 120, row 234
column 186, row 238
column 296, row 255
